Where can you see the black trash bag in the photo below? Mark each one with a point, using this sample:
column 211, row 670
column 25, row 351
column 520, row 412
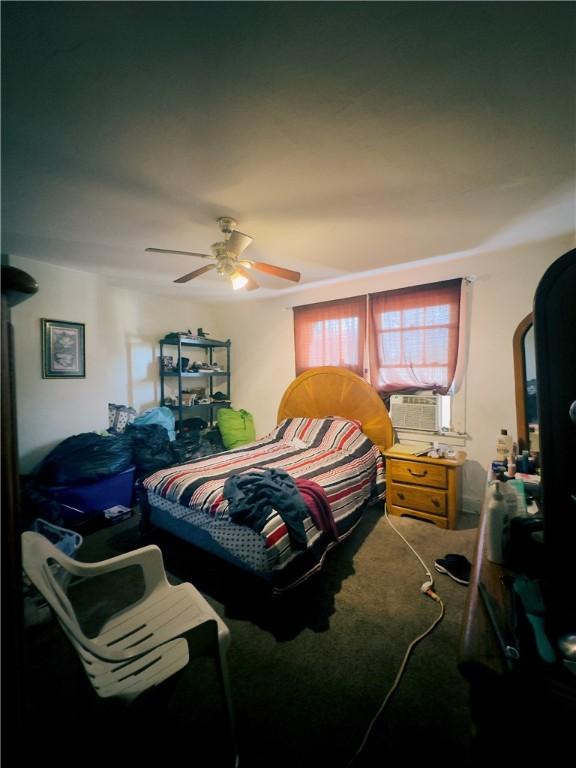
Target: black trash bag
column 206, row 447
column 214, row 437
column 192, row 425
column 192, row 446
column 185, row 446
column 85, row 458
column 151, row 448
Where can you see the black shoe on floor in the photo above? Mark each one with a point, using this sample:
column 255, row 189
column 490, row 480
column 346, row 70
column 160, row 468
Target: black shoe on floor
column 455, row 566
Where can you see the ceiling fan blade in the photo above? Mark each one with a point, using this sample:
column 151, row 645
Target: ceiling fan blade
column 238, row 242
column 251, row 284
column 180, row 253
column 287, row 274
column 196, row 273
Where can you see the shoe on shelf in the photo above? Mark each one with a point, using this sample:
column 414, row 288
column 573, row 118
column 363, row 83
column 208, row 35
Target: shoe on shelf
column 456, row 566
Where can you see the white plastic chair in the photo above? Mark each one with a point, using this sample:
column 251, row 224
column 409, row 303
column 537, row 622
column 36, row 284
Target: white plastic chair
column 144, row 644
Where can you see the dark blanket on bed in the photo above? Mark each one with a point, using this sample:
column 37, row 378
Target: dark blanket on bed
column 252, row 496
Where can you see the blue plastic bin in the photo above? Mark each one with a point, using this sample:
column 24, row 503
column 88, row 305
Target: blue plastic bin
column 87, row 501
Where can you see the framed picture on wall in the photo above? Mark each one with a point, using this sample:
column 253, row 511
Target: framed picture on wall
column 62, row 350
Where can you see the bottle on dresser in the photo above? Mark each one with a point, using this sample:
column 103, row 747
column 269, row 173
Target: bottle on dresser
column 498, row 524
column 504, row 449
column 526, row 463
column 504, row 446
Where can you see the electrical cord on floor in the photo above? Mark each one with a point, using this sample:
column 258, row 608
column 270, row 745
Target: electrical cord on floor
column 427, row 588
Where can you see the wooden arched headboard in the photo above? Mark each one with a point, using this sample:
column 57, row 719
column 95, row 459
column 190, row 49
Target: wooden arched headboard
column 331, row 391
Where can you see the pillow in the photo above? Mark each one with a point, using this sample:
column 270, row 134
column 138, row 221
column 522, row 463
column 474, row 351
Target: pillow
column 300, row 429
column 236, row 427
column 332, row 432
column 343, row 435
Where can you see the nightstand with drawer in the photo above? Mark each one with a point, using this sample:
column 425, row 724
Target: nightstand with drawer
column 423, row 487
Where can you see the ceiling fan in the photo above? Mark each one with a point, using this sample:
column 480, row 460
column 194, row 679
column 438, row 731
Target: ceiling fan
column 226, row 255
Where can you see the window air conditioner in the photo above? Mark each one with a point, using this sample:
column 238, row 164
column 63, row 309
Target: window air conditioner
column 418, row 412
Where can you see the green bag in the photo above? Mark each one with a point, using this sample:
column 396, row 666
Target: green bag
column 236, row 427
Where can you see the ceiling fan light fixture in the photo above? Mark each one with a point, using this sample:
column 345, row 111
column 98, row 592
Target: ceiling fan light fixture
column 238, row 281
column 227, row 224
column 227, row 257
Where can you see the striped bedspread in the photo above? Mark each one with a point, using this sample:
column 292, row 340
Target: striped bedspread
column 332, row 452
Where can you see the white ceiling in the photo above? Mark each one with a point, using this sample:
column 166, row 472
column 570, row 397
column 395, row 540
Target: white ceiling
column 343, row 136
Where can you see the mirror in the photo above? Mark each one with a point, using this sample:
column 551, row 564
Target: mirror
column 525, row 385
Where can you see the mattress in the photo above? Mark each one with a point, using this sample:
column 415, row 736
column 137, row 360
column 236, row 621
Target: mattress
column 188, row 500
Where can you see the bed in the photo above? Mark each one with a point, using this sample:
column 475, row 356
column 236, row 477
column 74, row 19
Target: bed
column 332, row 427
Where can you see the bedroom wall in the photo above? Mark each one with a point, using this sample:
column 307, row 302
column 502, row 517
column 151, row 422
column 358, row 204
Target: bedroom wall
column 502, row 294
column 122, row 332
column 123, row 327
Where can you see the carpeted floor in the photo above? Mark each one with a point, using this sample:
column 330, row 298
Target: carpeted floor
column 309, row 669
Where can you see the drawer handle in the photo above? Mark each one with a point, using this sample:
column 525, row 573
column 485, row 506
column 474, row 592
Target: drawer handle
column 401, row 496
column 417, row 474
column 436, row 502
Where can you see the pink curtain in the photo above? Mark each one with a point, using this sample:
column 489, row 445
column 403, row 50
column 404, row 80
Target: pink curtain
column 414, row 336
column 331, row 333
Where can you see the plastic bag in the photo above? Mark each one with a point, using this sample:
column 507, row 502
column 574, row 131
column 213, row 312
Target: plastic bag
column 161, row 415
column 85, row 458
column 192, row 446
column 151, row 447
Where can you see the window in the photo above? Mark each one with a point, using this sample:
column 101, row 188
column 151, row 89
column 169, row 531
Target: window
column 412, row 341
column 331, row 333
column 414, row 337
